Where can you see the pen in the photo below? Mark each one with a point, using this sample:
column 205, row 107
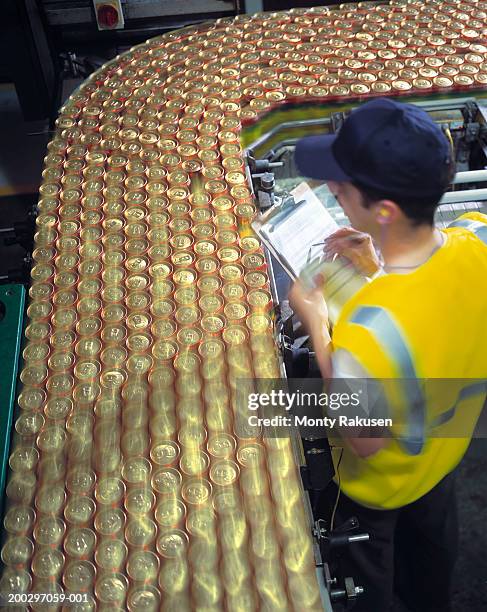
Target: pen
column 352, row 238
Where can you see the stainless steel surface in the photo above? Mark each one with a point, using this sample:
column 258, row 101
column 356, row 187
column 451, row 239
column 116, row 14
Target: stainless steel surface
column 472, row 176
column 467, row 195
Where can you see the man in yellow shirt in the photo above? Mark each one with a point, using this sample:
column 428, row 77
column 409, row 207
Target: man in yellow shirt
column 422, row 317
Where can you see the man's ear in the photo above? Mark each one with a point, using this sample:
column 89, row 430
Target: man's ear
column 386, row 212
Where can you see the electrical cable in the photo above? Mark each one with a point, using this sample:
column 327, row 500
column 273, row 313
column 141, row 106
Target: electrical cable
column 332, row 520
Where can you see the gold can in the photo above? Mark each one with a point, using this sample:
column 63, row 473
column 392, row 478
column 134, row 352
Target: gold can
column 39, row 311
column 213, row 324
column 442, row 81
column 184, row 277
column 29, row 423
column 17, row 551
column 163, row 425
column 211, row 303
column 304, row 589
column 170, row 513
column 136, row 470
column 109, row 490
column 110, row 554
column 111, row 588
column 186, row 295
column 52, row 439
column 165, row 453
column 143, row 566
column 166, row 481
column 23, row 458
column 79, row 510
column 173, row 544
column 251, row 455
column 15, row 580
column 109, row 522
column 196, row 491
column 162, row 307
column 187, row 315
column 264, row 542
column 189, row 336
column 224, row 473
column 194, row 462
column 192, row 435
column 235, row 312
column 143, row 598
column 401, row 85
column 19, row 520
column 164, row 329
column 187, row 363
column 254, row 482
column 79, row 576
column 235, row 335
column 50, row 499
column 221, row 446
column 209, row 284
column 135, row 442
column 47, row 563
column 80, row 543
column 31, row 398
column 140, row 531
column 422, row 83
column 211, row 349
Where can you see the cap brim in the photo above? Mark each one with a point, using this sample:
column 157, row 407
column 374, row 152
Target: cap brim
column 314, row 159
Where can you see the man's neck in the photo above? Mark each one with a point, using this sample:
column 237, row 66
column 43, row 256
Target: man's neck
column 406, row 249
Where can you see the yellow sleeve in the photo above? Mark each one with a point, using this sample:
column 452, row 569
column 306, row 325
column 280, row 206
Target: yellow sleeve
column 474, row 222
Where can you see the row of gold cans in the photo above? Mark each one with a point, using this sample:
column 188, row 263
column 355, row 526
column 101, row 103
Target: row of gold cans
column 135, row 478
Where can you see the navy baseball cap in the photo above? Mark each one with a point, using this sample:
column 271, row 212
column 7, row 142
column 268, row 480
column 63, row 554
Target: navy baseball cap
column 388, row 146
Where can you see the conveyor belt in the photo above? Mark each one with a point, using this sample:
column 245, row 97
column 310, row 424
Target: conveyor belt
column 130, row 480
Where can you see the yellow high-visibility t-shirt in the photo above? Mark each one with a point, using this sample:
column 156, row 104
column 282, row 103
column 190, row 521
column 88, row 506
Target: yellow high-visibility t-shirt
column 428, row 324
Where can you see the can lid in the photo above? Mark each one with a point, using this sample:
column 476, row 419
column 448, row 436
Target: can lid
column 109, row 521
column 196, row 491
column 173, row 544
column 111, row 588
column 140, row 531
column 79, row 510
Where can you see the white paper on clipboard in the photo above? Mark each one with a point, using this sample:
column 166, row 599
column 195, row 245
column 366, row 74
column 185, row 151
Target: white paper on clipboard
column 295, row 234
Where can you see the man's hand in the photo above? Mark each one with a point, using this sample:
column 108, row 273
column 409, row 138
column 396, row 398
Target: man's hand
column 355, row 246
column 310, row 306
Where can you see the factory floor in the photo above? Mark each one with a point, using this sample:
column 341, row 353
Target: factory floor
column 22, row 148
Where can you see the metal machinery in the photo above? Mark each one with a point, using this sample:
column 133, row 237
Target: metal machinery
column 134, row 480
column 62, row 39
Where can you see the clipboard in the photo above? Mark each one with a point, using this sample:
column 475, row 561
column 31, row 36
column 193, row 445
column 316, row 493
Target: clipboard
column 294, row 233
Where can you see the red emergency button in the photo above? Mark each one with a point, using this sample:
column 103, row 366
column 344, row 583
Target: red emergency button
column 107, row 15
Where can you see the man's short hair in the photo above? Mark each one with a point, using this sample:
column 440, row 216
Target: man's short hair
column 420, row 211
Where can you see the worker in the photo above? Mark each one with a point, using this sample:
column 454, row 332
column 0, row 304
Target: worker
column 422, row 316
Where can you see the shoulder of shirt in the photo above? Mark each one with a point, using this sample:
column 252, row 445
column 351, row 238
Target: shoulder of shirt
column 473, row 216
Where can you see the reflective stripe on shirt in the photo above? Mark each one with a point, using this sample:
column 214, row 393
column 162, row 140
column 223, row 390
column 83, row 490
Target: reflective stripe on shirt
column 387, row 333
column 476, row 227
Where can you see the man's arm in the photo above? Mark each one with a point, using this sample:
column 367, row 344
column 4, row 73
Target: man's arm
column 313, row 314
column 310, row 306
